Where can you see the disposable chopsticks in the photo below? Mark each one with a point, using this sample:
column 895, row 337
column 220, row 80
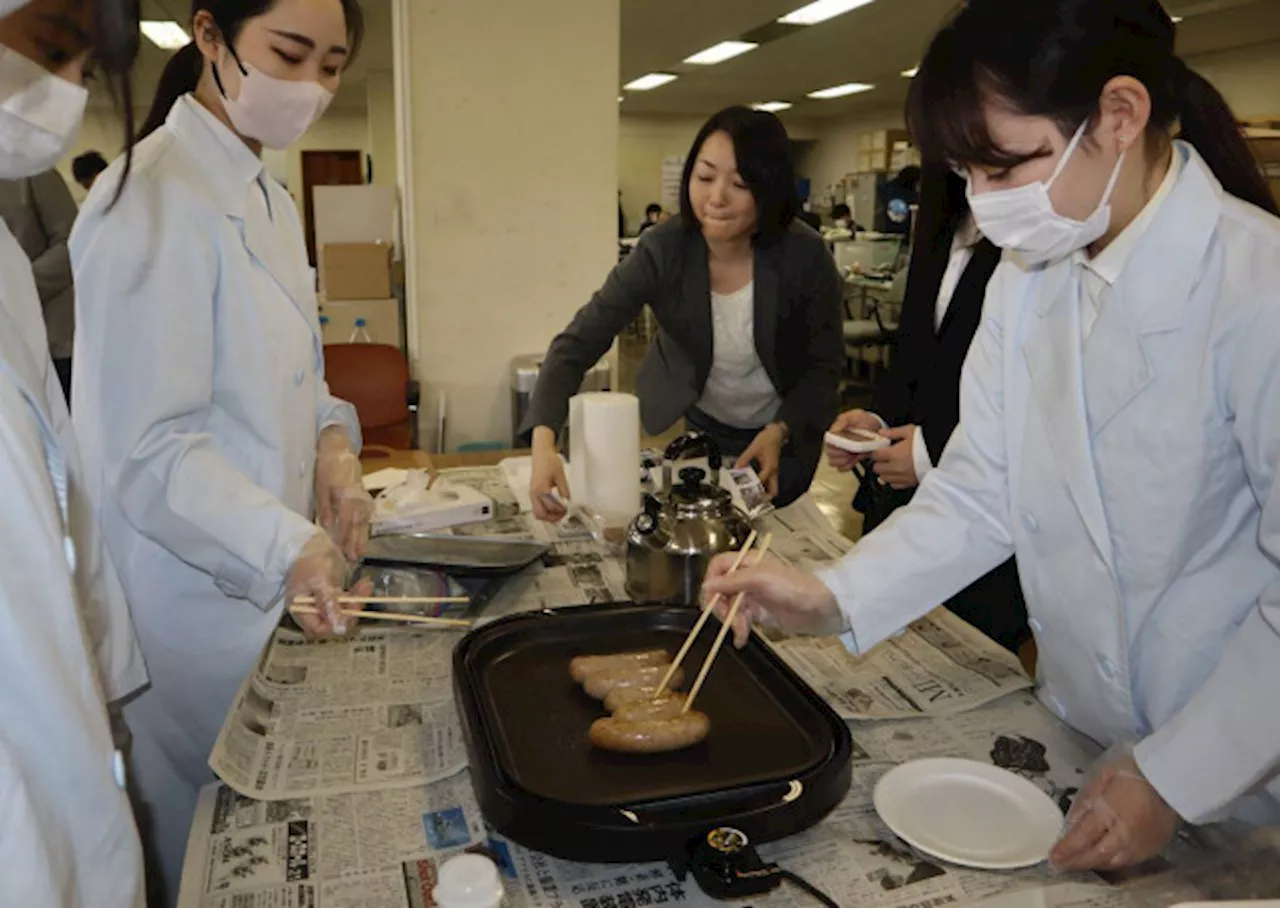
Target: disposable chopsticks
column 386, row 616
column 389, row 600
column 702, row 620
column 724, row 631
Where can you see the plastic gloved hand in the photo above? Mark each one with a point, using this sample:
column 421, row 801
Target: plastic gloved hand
column 318, row 572
column 343, row 506
column 1118, row 820
column 846, row 423
column 895, row 465
column 776, row 595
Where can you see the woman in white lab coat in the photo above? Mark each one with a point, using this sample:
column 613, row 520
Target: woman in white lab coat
column 67, row 837
column 200, row 396
column 1120, row 415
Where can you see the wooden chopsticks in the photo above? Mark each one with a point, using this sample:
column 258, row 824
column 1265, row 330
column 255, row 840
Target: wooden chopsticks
column 702, row 620
column 389, row 600
column 724, row 631
column 386, row 616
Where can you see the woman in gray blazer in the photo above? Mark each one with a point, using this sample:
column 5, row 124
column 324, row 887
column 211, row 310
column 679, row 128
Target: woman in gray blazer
column 748, row 305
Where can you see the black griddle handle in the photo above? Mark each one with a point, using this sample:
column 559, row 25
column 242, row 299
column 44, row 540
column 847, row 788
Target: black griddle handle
column 695, row 444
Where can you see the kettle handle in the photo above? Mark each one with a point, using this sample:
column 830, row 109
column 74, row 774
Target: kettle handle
column 689, row 445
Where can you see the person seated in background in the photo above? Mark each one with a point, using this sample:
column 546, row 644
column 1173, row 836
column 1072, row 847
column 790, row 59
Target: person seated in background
column 917, row 403
column 653, row 216
column 748, row 305
column 39, row 212
column 842, row 217
column 86, row 168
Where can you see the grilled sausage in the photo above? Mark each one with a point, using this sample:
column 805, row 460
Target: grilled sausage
column 650, row 736
column 599, row 684
column 622, row 697
column 665, row 708
column 582, row 666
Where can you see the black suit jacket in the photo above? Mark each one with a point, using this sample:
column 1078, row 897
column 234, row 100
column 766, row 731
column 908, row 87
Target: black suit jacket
column 798, row 331
column 922, row 386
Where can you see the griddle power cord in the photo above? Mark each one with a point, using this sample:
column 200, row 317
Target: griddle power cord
column 801, row 883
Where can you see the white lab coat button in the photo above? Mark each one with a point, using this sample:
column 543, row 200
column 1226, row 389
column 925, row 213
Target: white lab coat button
column 1108, row 668
column 1036, row 626
column 69, row 549
column 118, row 770
column 1030, row 523
column 1058, row 708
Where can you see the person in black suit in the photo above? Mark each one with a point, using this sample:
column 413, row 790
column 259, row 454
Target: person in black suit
column 917, row 404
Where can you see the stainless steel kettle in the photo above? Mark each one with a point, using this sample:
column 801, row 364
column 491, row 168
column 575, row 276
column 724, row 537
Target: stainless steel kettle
column 672, row 541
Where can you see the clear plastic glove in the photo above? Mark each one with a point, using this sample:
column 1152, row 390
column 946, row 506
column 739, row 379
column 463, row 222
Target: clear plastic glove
column 318, row 572
column 766, row 451
column 343, row 507
column 1117, row 821
column 548, row 476
column 847, row 423
column 777, row 595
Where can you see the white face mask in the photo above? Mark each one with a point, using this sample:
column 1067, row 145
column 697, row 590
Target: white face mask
column 1024, row 219
column 40, row 115
column 274, row 111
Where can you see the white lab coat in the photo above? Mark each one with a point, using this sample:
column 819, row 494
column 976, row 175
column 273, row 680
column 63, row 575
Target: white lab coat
column 1135, row 479
column 199, row 396
column 67, row 837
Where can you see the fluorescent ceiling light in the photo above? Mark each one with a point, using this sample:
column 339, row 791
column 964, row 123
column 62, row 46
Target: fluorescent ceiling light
column 1176, row 18
column 840, row 91
column 821, row 11
column 167, row 35
column 725, row 50
column 911, row 73
column 619, row 99
column 772, row 106
column 649, row 82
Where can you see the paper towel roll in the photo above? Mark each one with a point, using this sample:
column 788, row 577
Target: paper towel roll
column 604, row 454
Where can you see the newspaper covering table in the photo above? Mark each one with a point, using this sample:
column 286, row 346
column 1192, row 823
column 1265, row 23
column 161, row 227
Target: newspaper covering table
column 381, row 849
column 940, row 666
column 370, row 712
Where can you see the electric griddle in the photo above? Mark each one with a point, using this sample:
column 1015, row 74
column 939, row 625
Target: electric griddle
column 777, row 759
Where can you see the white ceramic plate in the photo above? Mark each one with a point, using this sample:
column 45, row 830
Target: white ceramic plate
column 969, row 813
column 857, row 442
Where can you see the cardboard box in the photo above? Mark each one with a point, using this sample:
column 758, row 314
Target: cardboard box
column 381, row 320
column 355, row 271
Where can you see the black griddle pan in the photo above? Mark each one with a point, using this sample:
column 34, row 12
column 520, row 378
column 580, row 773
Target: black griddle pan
column 776, row 761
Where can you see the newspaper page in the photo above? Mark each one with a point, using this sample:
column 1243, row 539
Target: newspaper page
column 939, row 667
column 375, row 849
column 369, row 712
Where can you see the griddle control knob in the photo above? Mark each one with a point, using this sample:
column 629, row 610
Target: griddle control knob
column 727, row 840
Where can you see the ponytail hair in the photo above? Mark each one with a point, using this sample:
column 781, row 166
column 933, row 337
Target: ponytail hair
column 181, row 75
column 1208, row 124
column 1052, row 58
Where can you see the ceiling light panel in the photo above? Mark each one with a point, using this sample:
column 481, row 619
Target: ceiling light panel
column 649, row 82
column 725, row 50
column 840, row 91
column 165, row 34
column 772, row 106
column 821, row 11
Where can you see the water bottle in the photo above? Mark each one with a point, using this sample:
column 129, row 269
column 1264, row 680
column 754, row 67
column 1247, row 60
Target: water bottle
column 361, row 334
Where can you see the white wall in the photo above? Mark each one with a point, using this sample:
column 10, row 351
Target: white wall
column 1248, row 77
column 513, row 169
column 834, row 154
column 381, row 143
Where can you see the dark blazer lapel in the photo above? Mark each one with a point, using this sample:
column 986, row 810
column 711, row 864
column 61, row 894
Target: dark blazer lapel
column 767, row 288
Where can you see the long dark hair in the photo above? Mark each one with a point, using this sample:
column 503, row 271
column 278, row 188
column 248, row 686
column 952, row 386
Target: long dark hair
column 182, row 73
column 763, row 152
column 1052, row 58
column 116, row 39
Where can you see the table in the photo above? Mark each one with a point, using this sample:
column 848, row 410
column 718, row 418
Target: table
column 375, row 845
column 420, row 460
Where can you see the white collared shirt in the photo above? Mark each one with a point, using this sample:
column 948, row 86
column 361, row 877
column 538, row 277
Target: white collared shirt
column 1103, row 270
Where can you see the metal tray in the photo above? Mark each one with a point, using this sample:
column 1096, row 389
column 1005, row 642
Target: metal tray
column 455, row 554
column 776, row 761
